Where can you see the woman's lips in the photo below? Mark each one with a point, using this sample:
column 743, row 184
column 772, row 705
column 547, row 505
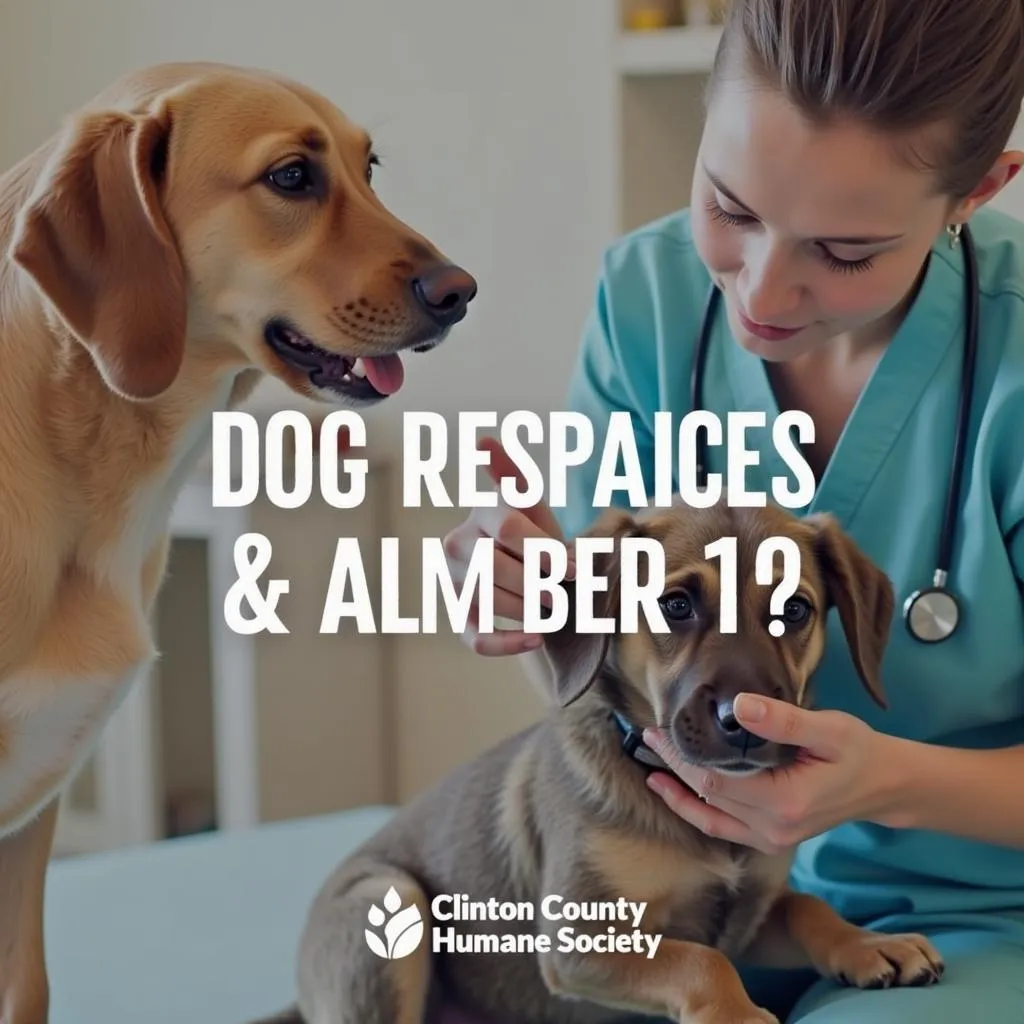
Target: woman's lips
column 766, row 331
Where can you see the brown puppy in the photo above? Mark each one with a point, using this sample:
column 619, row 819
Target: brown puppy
column 190, row 229
column 562, row 810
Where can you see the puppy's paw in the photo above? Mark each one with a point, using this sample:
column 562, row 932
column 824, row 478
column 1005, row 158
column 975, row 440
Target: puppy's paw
column 875, row 960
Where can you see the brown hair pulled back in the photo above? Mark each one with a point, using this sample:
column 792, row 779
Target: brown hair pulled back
column 896, row 65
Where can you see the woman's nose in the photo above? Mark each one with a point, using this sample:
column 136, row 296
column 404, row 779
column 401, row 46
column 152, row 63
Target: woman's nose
column 767, row 289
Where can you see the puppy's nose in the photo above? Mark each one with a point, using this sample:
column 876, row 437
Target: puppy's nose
column 444, row 291
column 734, row 733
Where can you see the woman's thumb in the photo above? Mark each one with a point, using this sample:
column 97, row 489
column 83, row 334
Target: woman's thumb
column 781, row 722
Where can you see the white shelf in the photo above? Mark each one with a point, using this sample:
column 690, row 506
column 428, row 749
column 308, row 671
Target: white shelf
column 672, row 51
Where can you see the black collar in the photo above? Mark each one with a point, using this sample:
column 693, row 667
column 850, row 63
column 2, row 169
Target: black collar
column 634, row 746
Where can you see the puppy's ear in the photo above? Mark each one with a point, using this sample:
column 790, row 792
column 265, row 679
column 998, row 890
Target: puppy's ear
column 576, row 659
column 94, row 239
column 863, row 595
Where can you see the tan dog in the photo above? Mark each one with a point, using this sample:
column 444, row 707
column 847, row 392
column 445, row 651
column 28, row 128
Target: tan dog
column 192, row 228
column 561, row 809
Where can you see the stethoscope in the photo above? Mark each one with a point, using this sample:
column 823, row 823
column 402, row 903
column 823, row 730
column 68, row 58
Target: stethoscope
column 931, row 614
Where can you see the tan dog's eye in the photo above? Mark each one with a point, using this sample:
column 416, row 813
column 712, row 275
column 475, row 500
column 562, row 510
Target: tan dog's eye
column 676, row 606
column 296, row 179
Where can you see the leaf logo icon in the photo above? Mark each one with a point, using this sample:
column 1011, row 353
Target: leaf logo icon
column 403, row 928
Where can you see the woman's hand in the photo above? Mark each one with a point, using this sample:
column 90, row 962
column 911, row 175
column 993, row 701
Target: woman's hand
column 844, row 773
column 508, row 527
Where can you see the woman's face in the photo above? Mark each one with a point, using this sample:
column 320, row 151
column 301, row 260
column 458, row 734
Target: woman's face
column 812, row 233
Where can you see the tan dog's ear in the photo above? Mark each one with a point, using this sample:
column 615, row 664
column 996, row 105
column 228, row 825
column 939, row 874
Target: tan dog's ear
column 95, row 241
column 863, row 595
column 576, row 658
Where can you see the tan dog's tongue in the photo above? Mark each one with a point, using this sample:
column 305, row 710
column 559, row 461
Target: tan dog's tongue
column 385, row 373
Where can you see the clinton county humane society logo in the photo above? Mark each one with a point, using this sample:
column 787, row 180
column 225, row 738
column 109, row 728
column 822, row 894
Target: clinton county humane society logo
column 403, row 927
column 396, row 931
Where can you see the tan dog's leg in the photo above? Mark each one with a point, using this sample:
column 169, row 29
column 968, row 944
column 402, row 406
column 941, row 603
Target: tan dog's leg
column 341, row 980
column 804, row 931
column 24, row 856
column 685, row 981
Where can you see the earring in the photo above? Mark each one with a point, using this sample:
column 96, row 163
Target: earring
column 953, row 231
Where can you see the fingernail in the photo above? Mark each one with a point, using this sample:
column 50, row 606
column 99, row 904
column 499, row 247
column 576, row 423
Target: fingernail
column 752, row 708
column 531, row 643
column 654, row 782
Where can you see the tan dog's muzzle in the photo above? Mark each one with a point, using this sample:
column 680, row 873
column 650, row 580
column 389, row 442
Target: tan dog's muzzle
column 225, row 219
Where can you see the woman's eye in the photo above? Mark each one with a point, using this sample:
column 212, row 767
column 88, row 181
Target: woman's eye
column 847, row 266
column 676, row 607
column 293, row 179
column 374, row 161
column 723, row 216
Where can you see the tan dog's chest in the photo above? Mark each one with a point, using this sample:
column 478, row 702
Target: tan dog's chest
column 53, row 709
column 94, row 641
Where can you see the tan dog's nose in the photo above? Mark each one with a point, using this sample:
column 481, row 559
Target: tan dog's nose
column 444, row 292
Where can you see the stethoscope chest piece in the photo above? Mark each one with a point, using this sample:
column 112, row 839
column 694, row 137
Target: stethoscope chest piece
column 931, row 615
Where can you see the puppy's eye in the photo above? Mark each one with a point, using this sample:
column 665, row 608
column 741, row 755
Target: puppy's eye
column 295, row 179
column 676, row 606
column 796, row 611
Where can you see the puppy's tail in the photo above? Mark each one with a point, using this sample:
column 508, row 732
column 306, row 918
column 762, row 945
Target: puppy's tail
column 289, row 1015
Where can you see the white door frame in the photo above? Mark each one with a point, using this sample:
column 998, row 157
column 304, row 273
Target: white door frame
column 232, row 659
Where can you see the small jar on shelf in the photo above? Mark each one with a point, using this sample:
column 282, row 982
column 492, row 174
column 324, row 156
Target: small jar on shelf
column 652, row 15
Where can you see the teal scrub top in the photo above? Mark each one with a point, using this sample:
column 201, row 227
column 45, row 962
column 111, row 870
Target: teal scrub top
column 886, row 483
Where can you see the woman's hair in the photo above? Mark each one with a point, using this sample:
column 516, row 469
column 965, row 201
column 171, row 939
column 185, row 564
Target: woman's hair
column 896, row 65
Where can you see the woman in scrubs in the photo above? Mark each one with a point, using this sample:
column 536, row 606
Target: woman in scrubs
column 845, row 142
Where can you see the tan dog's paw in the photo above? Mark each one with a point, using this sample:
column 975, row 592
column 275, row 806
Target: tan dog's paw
column 874, row 960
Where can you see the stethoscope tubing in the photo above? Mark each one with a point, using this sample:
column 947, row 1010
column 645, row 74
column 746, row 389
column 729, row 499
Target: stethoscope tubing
column 971, row 317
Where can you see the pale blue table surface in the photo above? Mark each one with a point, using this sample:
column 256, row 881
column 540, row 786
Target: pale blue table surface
column 202, row 930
